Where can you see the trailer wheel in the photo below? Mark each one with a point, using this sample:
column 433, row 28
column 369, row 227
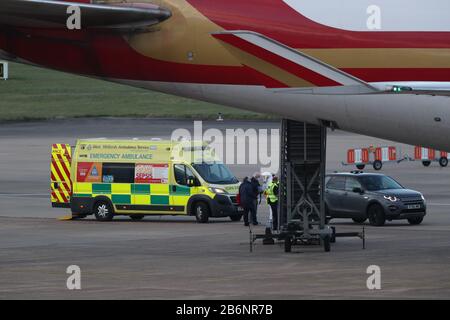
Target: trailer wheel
column 103, row 211
column 443, row 162
column 287, row 244
column 426, row 163
column 137, row 217
column 377, row 165
column 201, row 211
column 327, row 243
column 360, row 166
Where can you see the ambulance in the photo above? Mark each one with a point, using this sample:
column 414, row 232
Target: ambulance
column 108, row 178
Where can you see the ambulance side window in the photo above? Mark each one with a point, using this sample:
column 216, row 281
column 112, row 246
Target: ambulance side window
column 118, row 173
column 182, row 173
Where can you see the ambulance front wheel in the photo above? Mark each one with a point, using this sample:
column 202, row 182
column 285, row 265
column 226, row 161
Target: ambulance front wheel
column 202, row 212
column 360, row 166
column 103, row 211
column 443, row 162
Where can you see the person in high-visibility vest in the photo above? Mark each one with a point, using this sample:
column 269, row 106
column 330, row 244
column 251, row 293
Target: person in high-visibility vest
column 272, row 200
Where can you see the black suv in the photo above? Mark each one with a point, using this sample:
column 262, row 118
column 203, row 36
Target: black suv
column 377, row 197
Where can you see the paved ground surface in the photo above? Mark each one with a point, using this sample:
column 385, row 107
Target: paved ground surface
column 170, row 257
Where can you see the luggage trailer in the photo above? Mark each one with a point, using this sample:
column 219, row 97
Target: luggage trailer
column 374, row 156
column 428, row 155
column 301, row 202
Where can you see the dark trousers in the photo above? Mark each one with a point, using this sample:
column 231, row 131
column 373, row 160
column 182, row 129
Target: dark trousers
column 274, row 207
column 250, row 208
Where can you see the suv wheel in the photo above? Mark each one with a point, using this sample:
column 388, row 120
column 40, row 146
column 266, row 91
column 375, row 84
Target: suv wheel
column 376, row 215
column 201, row 211
column 103, row 211
column 359, row 220
column 415, row 221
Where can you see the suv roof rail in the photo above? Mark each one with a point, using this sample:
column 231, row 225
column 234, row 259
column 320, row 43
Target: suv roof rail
column 357, row 171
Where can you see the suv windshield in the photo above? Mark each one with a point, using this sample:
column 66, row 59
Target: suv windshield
column 216, row 173
column 375, row 183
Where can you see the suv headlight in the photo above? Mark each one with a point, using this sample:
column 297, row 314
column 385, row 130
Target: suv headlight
column 423, row 198
column 217, row 190
column 391, row 198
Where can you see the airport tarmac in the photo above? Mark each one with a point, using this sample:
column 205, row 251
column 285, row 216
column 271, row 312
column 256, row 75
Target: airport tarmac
column 176, row 258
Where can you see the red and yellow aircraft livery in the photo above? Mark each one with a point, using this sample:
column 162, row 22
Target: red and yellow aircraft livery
column 379, row 70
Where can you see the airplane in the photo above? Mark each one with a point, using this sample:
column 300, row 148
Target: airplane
column 379, row 70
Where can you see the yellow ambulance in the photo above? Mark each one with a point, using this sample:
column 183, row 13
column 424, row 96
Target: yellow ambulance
column 108, row 178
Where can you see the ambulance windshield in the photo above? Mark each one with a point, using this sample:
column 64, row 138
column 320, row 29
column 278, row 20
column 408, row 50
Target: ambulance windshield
column 215, row 173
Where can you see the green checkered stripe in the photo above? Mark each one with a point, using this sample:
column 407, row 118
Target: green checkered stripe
column 123, row 193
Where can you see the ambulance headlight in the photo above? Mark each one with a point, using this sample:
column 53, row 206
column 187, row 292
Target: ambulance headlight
column 217, row 190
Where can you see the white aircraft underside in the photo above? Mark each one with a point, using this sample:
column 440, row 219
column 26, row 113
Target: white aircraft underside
column 408, row 118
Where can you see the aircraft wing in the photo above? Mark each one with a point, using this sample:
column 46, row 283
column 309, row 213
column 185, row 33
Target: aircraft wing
column 317, row 76
column 54, row 14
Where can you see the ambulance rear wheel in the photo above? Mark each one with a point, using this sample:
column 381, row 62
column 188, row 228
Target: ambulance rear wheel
column 202, row 212
column 377, row 165
column 103, row 211
column 426, row 163
column 360, row 166
column 443, row 162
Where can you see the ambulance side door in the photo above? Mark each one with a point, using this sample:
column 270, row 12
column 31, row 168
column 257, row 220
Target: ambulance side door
column 180, row 192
